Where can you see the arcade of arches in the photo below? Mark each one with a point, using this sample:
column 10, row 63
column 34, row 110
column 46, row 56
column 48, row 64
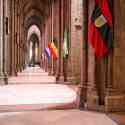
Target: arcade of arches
column 26, row 28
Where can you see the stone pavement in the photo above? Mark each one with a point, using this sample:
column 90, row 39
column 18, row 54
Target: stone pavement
column 23, row 100
column 33, row 89
column 32, row 75
column 34, row 97
column 56, row 117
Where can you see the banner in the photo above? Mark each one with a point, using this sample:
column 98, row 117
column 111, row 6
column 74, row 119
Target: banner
column 100, row 28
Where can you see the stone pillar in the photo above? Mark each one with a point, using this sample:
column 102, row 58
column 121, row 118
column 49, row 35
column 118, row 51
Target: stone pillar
column 16, row 37
column 8, row 37
column 6, row 41
column 66, row 27
column 76, row 39
column 21, row 44
column 84, row 57
column 20, row 41
column 13, row 64
column 56, row 32
column 24, row 49
column 52, row 35
column 115, row 87
column 18, row 48
column 1, row 43
column 59, row 76
column 47, row 39
column 43, row 45
column 92, row 94
column 3, row 77
column 19, row 35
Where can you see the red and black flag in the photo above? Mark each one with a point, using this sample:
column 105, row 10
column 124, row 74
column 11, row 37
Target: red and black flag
column 100, row 28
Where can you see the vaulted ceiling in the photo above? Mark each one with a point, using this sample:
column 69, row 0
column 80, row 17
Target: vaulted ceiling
column 34, row 11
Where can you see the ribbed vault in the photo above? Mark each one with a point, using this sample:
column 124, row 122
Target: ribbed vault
column 33, row 12
column 34, row 30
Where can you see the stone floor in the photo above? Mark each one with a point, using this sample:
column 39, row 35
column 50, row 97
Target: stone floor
column 31, row 97
column 32, row 75
column 56, row 117
column 23, row 100
column 33, row 89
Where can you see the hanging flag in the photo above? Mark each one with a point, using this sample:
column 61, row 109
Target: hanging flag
column 48, row 54
column 53, row 50
column 100, row 28
column 65, row 44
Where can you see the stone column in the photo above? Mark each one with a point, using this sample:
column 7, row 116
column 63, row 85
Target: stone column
column 115, row 89
column 52, row 34
column 92, row 94
column 6, row 40
column 3, row 77
column 18, row 48
column 59, row 76
column 46, row 40
column 16, row 37
column 13, row 71
column 67, row 23
column 24, row 49
column 19, row 23
column 8, row 33
column 43, row 46
column 21, row 43
column 1, row 43
column 84, row 57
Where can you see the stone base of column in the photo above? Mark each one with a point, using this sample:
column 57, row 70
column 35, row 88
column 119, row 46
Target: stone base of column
column 13, row 73
column 82, row 93
column 93, row 100
column 51, row 73
column 114, row 101
column 72, row 80
column 3, row 80
column 59, row 78
column 20, row 69
column 68, row 80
